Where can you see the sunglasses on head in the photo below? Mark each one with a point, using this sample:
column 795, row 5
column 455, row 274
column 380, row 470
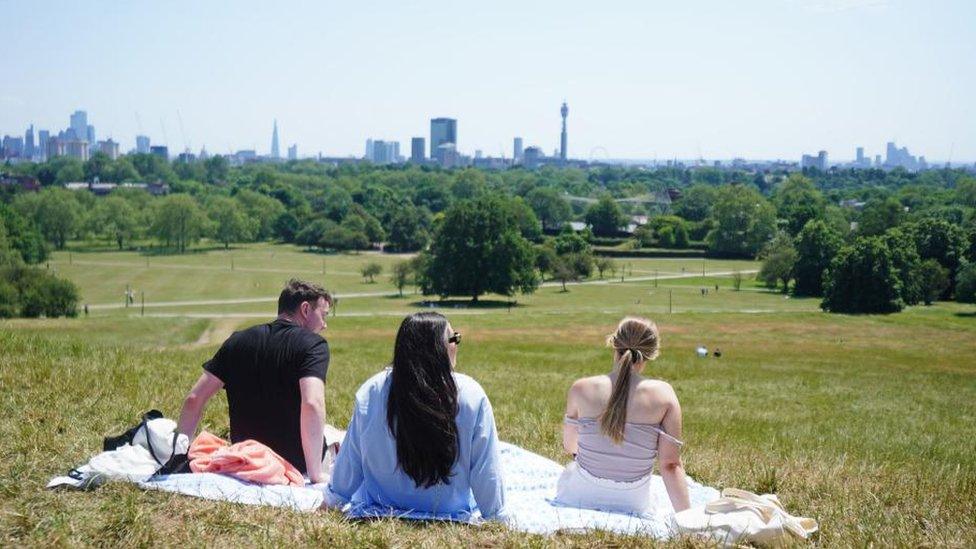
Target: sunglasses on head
column 455, row 338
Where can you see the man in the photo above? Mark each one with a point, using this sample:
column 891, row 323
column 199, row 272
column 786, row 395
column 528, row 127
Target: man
column 274, row 375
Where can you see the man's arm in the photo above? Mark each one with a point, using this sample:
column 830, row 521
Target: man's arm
column 196, row 401
column 312, row 424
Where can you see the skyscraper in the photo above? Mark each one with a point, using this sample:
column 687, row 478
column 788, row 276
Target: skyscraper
column 275, row 153
column 79, row 125
column 517, row 151
column 417, row 150
column 860, row 157
column 42, row 138
column 442, row 131
column 142, row 144
column 564, row 111
column 89, row 135
column 29, row 143
column 293, row 152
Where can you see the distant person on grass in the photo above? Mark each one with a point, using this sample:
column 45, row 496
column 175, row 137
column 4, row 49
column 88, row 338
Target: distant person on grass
column 422, row 437
column 616, row 424
column 274, row 375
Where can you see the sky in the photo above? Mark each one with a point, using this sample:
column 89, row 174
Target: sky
column 647, row 79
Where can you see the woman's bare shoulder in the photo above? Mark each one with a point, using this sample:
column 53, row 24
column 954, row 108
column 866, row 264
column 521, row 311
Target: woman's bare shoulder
column 657, row 390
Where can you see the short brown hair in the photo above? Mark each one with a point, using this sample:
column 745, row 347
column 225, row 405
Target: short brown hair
column 297, row 291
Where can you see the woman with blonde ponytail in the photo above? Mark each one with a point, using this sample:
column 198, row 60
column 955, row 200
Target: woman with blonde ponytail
column 617, row 425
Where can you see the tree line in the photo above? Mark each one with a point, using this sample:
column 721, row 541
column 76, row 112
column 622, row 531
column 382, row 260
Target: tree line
column 794, row 222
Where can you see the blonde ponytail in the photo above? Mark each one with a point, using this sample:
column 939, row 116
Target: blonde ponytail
column 635, row 341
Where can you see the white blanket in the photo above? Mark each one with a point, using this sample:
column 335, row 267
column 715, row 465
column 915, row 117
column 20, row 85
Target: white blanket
column 530, row 484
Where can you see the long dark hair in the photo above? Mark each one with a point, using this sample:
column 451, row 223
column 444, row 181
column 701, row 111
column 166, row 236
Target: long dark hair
column 423, row 404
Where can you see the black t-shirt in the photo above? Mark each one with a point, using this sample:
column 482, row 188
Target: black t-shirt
column 260, row 368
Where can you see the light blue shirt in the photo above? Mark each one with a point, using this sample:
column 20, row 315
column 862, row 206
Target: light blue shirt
column 366, row 471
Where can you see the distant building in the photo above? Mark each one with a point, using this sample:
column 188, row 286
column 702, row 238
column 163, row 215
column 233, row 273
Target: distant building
column 41, row 150
column 293, row 152
column 418, row 148
column 899, row 158
column 861, row 161
column 13, row 146
column 77, row 149
column 517, row 150
column 564, row 111
column 161, row 151
column 109, row 148
column 447, row 155
column 90, row 134
column 24, row 182
column 442, row 131
column 79, row 125
column 142, row 144
column 55, row 147
column 819, row 162
column 382, row 152
column 29, row 143
column 275, row 152
column 532, row 157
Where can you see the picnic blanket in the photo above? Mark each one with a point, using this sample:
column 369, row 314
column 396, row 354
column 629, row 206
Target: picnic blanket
column 530, row 484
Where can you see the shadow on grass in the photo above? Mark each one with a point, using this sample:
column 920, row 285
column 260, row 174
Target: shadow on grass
column 969, row 314
column 466, row 304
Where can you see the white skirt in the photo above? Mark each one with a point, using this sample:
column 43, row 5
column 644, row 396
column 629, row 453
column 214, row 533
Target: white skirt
column 578, row 488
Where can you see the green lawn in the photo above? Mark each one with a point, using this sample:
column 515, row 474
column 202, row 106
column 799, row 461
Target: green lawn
column 867, row 423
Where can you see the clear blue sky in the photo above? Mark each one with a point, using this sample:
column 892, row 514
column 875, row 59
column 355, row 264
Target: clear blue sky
column 644, row 79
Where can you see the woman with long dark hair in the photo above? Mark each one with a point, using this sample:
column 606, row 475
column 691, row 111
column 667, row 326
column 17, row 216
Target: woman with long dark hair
column 422, row 437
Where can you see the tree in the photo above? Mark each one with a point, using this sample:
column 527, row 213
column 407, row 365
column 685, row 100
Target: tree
column 23, row 236
column 340, row 237
column 565, row 270
column 879, row 215
column 370, row 270
column 696, row 202
column 575, row 251
column 779, row 262
column 548, row 204
column 58, row 215
column 286, row 227
column 262, row 212
column 116, row 219
column 545, row 258
column 311, row 234
column 402, row 275
column 816, row 246
column 966, row 191
column 744, row 222
column 603, row 264
column 862, row 278
column 798, row 201
column 216, row 169
column 409, row 229
column 230, row 222
column 70, row 173
column 528, row 223
column 934, row 278
column 665, row 231
column 469, row 184
column 478, row 248
column 904, row 257
column 605, row 216
column 966, row 283
column 736, row 280
column 942, row 241
column 179, row 221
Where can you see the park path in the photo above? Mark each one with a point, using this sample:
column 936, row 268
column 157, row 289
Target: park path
column 155, row 265
column 234, row 301
column 245, row 300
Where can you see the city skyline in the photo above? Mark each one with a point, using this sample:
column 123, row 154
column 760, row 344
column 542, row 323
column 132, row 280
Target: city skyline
column 644, row 82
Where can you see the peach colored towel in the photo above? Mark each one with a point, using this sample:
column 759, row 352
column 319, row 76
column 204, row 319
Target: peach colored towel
column 247, row 460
